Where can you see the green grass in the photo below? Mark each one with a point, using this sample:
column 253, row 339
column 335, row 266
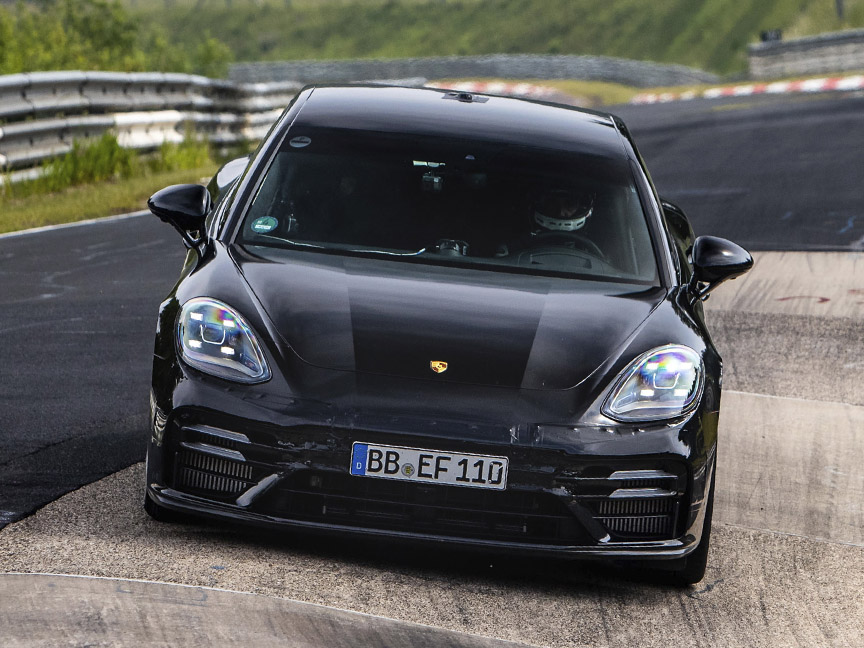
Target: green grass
column 204, row 36
column 710, row 34
column 822, row 17
column 88, row 201
column 99, row 178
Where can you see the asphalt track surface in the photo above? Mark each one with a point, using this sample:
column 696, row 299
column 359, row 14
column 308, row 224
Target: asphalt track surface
column 77, row 305
column 77, row 323
column 769, row 172
column 78, row 312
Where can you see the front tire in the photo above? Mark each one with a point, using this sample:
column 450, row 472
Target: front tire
column 154, row 510
column 693, row 566
column 159, row 513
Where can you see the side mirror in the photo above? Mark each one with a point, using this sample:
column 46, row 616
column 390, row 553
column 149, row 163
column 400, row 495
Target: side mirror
column 714, row 261
column 185, row 207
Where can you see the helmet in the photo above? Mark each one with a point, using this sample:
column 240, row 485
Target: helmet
column 562, row 211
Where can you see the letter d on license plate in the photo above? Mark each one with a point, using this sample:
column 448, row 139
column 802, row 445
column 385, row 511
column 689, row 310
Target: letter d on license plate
column 429, row 466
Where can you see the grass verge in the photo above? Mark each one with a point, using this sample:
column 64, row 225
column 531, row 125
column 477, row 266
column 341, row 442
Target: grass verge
column 598, row 94
column 87, row 201
column 595, row 93
column 590, row 94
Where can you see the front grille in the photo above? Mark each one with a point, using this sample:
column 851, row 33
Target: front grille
column 513, row 516
column 576, row 505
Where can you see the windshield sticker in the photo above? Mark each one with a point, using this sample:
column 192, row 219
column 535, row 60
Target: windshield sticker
column 301, row 141
column 264, row 224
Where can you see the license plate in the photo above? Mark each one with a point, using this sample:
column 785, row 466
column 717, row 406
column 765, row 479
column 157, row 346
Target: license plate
column 429, row 466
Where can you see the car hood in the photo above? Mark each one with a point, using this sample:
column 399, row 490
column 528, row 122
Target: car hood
column 398, row 318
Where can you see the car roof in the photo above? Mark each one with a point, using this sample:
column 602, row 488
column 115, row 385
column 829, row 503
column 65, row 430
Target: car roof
column 440, row 113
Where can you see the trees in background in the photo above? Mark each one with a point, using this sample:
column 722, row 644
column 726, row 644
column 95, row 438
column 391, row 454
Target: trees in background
column 97, row 35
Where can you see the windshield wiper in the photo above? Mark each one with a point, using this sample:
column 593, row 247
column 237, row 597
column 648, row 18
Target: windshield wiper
column 385, row 252
column 318, row 246
column 292, row 243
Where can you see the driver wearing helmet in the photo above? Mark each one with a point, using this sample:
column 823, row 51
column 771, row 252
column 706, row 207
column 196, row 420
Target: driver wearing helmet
column 554, row 215
column 561, row 211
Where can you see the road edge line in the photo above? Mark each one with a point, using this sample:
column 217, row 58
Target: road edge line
column 89, row 221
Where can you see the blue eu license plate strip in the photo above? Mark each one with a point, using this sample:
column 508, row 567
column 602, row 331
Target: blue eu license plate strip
column 429, row 466
column 358, row 459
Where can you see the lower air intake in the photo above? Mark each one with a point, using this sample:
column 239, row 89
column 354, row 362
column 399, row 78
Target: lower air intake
column 634, row 504
column 643, row 525
column 201, row 472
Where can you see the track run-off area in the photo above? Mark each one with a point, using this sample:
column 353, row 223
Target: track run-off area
column 781, row 176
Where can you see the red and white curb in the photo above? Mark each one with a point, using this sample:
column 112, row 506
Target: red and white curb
column 828, row 84
column 528, row 90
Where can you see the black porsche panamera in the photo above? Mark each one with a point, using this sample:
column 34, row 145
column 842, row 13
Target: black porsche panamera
column 446, row 317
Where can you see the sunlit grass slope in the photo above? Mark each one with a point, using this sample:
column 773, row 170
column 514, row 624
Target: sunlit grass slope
column 711, row 34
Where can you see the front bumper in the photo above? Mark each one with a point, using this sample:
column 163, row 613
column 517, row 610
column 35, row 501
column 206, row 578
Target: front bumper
column 615, row 495
column 657, row 549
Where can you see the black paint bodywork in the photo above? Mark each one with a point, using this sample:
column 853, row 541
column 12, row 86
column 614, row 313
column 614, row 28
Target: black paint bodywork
column 349, row 340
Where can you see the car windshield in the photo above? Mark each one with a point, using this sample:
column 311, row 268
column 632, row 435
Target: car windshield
column 471, row 203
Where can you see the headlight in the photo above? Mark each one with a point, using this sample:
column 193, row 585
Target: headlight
column 214, row 338
column 663, row 383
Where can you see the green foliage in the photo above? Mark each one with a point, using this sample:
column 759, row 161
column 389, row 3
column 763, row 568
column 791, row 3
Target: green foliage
column 822, row 17
column 204, row 36
column 97, row 35
column 189, row 154
column 712, row 34
column 90, row 200
column 211, row 57
column 101, row 159
column 104, row 159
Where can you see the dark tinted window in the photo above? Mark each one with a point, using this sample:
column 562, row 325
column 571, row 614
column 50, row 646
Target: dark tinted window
column 454, row 201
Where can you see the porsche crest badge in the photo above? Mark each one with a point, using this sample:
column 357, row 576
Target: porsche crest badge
column 438, row 366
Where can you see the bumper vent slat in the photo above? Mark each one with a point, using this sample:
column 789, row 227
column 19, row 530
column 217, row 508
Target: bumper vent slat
column 632, row 505
column 643, row 525
column 636, row 507
column 209, row 482
column 204, row 472
column 215, row 436
column 217, row 465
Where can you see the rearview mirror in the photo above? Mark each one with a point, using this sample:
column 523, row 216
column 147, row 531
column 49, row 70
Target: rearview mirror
column 716, row 260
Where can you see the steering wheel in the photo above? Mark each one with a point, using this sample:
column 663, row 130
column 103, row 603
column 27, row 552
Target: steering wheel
column 451, row 247
column 547, row 238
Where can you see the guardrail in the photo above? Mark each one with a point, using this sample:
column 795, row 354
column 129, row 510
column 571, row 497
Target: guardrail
column 42, row 113
column 824, row 53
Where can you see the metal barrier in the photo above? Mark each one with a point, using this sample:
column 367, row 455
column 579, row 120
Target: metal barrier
column 43, row 113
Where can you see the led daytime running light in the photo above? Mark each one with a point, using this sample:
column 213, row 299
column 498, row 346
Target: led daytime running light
column 662, row 384
column 214, row 338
